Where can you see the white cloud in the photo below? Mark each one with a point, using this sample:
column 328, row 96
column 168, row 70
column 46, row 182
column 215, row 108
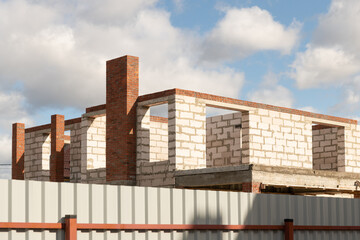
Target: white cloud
column 350, row 104
column 244, row 31
column 12, row 110
column 270, row 92
column 5, row 153
column 332, row 59
column 324, row 66
column 62, row 50
column 339, row 26
column 5, row 156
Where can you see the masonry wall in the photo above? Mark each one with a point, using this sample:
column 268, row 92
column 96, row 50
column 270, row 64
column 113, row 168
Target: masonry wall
column 155, row 174
column 37, row 156
column 94, row 142
column 158, row 139
column 76, row 168
column 96, row 176
column 187, row 132
column 350, row 147
column 223, row 140
column 267, row 137
column 277, row 139
column 325, row 149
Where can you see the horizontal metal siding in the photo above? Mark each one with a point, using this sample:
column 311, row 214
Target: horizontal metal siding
column 31, row 201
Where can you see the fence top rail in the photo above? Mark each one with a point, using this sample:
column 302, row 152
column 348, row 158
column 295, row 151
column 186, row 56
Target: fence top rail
column 100, row 226
column 326, row 228
column 26, row 225
column 90, row 226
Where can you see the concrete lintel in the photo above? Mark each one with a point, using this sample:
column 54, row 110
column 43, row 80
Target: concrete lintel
column 227, row 106
column 154, row 102
column 328, row 122
column 95, row 114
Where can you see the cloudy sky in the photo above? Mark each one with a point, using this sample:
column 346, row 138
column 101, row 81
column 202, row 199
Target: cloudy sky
column 299, row 54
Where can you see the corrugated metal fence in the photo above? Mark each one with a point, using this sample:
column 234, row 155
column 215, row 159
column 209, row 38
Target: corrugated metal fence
column 46, row 202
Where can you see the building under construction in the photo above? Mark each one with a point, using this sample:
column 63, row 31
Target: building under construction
column 257, row 148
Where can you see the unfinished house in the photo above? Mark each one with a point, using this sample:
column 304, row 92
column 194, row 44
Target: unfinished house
column 254, row 148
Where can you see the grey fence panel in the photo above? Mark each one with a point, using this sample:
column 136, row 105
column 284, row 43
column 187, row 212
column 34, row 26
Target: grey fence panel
column 31, row 201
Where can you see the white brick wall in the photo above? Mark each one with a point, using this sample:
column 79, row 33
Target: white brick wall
column 93, row 147
column 187, row 132
column 325, row 149
column 155, row 174
column 96, row 176
column 223, row 140
column 158, row 141
column 75, row 153
column 37, row 156
column 350, row 148
column 276, row 139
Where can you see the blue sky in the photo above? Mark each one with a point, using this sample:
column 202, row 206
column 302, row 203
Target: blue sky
column 298, row 54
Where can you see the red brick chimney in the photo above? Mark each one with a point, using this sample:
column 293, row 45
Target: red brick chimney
column 18, row 150
column 122, row 90
column 57, row 148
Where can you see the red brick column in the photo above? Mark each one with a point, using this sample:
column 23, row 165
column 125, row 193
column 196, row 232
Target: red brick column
column 18, row 150
column 251, row 187
column 122, row 90
column 57, row 148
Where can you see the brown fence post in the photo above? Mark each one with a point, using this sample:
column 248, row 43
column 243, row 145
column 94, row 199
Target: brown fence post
column 70, row 227
column 289, row 229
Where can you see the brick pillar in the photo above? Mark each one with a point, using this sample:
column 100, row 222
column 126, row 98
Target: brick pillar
column 18, row 150
column 57, row 148
column 341, row 150
column 122, row 90
column 245, row 137
column 251, row 187
column 187, row 132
